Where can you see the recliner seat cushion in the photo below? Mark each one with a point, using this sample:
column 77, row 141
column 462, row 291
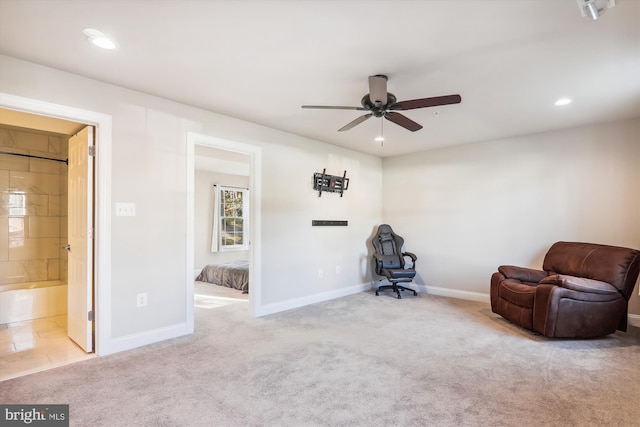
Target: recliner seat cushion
column 580, row 284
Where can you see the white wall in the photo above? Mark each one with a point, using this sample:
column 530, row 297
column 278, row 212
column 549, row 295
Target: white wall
column 149, row 168
column 463, row 210
column 203, row 217
column 297, row 250
column 466, row 210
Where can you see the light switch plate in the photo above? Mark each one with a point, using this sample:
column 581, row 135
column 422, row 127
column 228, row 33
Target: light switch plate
column 125, row 209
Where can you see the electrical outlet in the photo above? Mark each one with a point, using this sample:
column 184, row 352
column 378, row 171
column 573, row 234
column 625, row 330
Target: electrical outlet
column 142, row 300
column 320, row 273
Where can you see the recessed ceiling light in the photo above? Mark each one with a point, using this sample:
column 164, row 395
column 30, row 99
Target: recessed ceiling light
column 379, row 138
column 103, row 42
column 99, row 39
column 563, row 101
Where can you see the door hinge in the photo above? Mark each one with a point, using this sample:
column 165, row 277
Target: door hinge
column 92, row 150
column 91, row 234
column 90, row 316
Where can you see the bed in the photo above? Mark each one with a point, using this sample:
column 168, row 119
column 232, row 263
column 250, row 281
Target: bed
column 231, row 274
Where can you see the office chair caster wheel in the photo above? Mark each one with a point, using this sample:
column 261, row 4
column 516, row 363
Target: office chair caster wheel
column 415, row 294
column 377, row 293
column 399, row 296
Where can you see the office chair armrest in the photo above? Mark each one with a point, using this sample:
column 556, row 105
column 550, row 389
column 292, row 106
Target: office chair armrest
column 412, row 256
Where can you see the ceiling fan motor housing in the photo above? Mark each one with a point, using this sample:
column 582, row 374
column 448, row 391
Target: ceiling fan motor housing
column 378, row 110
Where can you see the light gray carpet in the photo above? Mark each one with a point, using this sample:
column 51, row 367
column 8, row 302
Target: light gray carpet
column 361, row 360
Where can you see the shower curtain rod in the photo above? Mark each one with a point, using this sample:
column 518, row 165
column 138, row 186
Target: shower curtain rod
column 231, row 186
column 66, row 161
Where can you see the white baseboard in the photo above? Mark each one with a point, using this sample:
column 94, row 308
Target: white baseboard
column 634, row 319
column 455, row 293
column 311, row 299
column 329, row 295
column 132, row 341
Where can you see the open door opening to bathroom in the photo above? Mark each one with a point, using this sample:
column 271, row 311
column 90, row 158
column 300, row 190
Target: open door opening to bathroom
column 80, row 232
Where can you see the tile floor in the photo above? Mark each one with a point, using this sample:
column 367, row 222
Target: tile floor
column 40, row 344
column 36, row 345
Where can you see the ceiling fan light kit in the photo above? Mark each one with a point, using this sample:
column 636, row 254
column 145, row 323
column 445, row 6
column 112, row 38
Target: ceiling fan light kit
column 380, row 103
column 593, row 9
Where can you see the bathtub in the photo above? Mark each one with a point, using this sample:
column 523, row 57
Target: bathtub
column 32, row 300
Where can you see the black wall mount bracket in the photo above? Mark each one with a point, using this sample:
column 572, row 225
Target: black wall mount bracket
column 331, row 183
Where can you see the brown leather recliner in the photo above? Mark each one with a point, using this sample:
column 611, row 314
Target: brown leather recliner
column 583, row 291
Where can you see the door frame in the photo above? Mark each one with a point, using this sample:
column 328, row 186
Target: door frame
column 102, row 200
column 255, row 216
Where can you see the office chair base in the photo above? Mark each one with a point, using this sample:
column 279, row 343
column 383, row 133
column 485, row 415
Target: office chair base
column 395, row 288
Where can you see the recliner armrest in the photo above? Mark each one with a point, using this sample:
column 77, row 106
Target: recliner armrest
column 522, row 273
column 580, row 284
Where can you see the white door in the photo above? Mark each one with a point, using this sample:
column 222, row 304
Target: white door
column 80, row 236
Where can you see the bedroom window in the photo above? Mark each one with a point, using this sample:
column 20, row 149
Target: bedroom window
column 233, row 214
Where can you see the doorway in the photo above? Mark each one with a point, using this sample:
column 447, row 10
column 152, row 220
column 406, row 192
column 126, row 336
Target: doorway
column 42, row 112
column 39, row 298
column 253, row 154
column 221, row 225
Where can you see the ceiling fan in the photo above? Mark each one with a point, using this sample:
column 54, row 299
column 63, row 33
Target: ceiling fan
column 381, row 103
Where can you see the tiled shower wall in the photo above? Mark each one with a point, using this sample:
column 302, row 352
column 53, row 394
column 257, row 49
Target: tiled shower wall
column 33, row 206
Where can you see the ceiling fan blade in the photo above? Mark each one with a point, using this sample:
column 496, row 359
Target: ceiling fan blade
column 355, row 122
column 378, row 89
column 403, row 121
column 333, row 107
column 426, row 102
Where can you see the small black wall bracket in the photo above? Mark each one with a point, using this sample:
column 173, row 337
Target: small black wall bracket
column 331, row 183
column 329, row 222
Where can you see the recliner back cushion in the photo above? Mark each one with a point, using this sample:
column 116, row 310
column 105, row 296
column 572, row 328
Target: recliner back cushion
column 615, row 265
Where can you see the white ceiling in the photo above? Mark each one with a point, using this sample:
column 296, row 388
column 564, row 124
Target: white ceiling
column 221, row 161
column 261, row 60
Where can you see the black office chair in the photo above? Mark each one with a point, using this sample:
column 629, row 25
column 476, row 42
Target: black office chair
column 389, row 260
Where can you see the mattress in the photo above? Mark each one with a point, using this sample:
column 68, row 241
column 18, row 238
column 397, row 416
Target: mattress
column 231, row 274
